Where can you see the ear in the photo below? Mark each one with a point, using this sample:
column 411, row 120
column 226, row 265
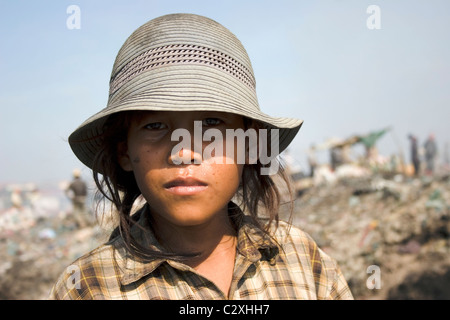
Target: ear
column 123, row 157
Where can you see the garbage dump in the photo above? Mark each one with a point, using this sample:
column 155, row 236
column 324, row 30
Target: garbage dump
column 390, row 233
column 39, row 237
column 385, row 220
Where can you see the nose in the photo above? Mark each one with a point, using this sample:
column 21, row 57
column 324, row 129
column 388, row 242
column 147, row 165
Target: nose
column 189, row 148
column 184, row 156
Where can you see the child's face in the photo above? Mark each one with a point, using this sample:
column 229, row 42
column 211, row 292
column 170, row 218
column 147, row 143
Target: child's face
column 185, row 194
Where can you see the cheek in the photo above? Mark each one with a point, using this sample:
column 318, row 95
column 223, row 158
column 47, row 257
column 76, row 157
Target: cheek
column 144, row 163
column 226, row 177
column 144, row 158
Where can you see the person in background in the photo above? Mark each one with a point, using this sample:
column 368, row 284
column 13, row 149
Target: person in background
column 414, row 154
column 16, row 199
column 77, row 192
column 430, row 154
column 312, row 160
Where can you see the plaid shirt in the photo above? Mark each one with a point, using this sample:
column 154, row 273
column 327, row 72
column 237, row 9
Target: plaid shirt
column 295, row 268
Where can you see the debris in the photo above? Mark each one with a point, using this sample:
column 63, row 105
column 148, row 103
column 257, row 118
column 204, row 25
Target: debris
column 398, row 223
column 412, row 246
column 37, row 241
column 364, row 239
column 47, row 233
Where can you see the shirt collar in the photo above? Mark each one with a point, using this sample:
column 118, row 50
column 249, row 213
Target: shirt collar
column 252, row 243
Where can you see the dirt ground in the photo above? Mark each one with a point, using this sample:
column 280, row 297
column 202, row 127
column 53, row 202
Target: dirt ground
column 33, row 263
column 390, row 236
column 394, row 231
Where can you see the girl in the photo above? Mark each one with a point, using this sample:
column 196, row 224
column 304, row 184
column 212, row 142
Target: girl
column 199, row 233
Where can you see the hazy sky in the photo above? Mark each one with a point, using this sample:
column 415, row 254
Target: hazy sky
column 316, row 60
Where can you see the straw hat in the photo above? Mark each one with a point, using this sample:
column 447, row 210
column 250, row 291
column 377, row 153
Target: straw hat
column 180, row 62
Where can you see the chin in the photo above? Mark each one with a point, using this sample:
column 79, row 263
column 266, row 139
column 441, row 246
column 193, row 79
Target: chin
column 190, row 219
column 193, row 215
column 190, row 213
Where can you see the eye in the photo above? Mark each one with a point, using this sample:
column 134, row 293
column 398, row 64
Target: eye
column 155, row 126
column 211, row 122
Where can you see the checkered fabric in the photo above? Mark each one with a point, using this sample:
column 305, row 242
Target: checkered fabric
column 292, row 267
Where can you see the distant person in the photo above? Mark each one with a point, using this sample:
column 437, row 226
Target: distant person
column 312, row 160
column 77, row 192
column 336, row 157
column 414, row 154
column 430, row 154
column 446, row 156
column 16, row 199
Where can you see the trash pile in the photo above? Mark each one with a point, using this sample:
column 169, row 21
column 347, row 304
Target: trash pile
column 389, row 234
column 32, row 260
column 39, row 237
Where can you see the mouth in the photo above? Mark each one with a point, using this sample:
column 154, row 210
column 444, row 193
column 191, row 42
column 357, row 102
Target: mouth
column 185, row 186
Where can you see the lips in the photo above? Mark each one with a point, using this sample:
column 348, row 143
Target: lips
column 185, row 186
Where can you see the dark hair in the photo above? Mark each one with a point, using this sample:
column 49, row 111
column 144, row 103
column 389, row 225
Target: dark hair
column 119, row 186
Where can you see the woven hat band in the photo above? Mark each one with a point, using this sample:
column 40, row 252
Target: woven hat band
column 181, row 54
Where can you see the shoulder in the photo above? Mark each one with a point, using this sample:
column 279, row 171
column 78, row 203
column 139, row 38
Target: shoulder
column 79, row 280
column 301, row 252
column 289, row 235
column 297, row 244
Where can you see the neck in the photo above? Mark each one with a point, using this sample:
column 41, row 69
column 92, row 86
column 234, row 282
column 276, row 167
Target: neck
column 210, row 239
column 213, row 242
